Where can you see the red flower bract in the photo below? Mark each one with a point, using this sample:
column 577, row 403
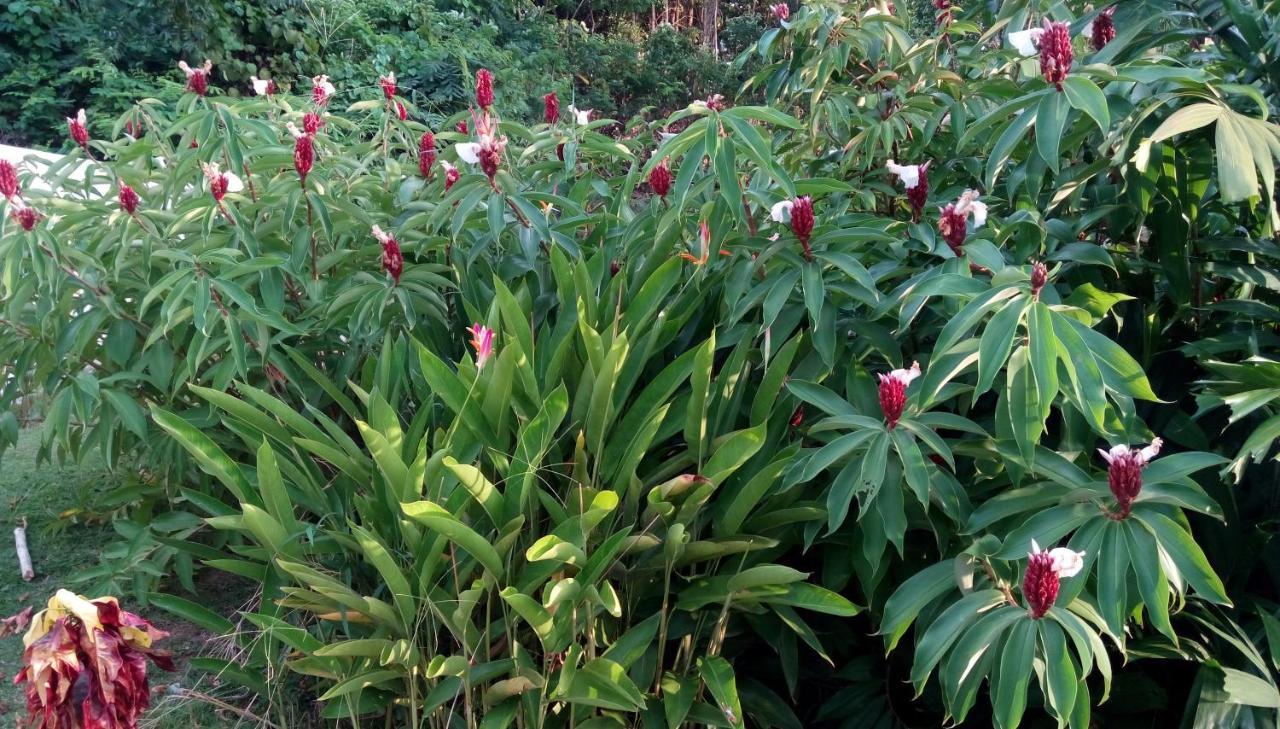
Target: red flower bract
column 426, row 154
column 484, row 89
column 1104, row 28
column 392, row 258
column 311, row 122
column 1055, row 52
column 1039, row 277
column 952, row 226
column 304, row 155
column 25, row 216
column 79, row 132
column 128, row 199
column 551, row 108
column 802, row 222
column 660, row 179
column 462, row 127
column 401, row 112
column 388, row 84
column 919, row 194
column 8, row 179
column 781, row 11
column 85, row 665
column 1040, row 585
column 451, row 175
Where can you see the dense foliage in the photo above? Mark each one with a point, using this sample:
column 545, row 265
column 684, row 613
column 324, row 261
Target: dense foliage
column 61, row 56
column 534, row 425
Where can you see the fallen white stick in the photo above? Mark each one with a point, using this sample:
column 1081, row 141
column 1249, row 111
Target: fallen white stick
column 24, row 555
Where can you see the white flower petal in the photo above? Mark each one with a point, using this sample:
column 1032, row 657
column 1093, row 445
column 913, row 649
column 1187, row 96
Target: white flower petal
column 909, row 174
column 1026, row 41
column 979, row 210
column 781, row 211
column 1067, row 562
column 234, row 184
column 468, row 152
column 260, row 86
column 1151, row 451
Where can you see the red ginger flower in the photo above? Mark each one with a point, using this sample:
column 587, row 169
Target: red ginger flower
column 1055, row 52
column 220, row 183
column 551, row 108
column 85, row 664
column 488, row 151
column 23, row 214
column 462, row 128
column 198, row 77
column 1103, row 28
column 388, row 84
column 426, row 154
column 799, row 213
column 128, row 199
column 304, row 152
column 79, row 130
column 781, row 11
column 893, row 393
column 451, row 174
column 484, row 89
column 392, row 258
column 955, row 218
column 321, row 90
column 916, row 179
column 263, row 86
column 401, row 112
column 1040, row 585
column 9, row 187
column 1124, row 472
column 1039, row 277
column 660, row 179
column 311, row 122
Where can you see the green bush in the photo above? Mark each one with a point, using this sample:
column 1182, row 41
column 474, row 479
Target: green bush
column 697, row 479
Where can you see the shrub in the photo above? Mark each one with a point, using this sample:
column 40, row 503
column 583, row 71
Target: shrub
column 720, row 423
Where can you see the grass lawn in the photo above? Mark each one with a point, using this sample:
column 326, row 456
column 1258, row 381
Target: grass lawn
column 60, row 550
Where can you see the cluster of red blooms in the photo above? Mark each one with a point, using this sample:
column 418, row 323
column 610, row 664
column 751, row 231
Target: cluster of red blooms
column 781, row 11
column 660, row 179
column 304, row 152
column 426, row 154
column 1104, row 28
column 1055, row 52
column 85, row 664
column 128, row 199
column 893, row 393
column 1040, row 584
column 78, row 125
column 311, row 122
column 388, row 84
column 392, row 258
column 551, row 108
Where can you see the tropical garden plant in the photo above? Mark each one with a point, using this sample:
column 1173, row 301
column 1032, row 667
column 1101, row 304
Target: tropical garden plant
column 962, row 340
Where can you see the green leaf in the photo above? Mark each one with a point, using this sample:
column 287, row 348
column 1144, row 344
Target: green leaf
column 905, row 604
column 1186, row 556
column 1051, row 116
column 1059, row 671
column 1085, row 95
column 440, row 520
column 212, row 459
column 1153, row 586
column 1010, row 689
column 717, row 674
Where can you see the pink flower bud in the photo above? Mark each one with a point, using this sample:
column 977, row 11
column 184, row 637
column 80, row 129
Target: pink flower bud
column 134, row 128
column 715, row 102
column 79, row 130
column 660, row 179
column 482, row 341
column 551, row 108
column 426, row 154
column 24, row 215
column 1055, row 52
column 388, row 84
column 128, row 199
column 1104, row 28
column 484, row 89
column 1124, row 473
column 198, row 77
column 311, row 122
column 1041, row 583
column 1039, row 276
column 893, row 391
column 781, row 11
column 392, row 258
column 401, row 112
column 8, row 180
column 462, row 127
column 802, row 222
